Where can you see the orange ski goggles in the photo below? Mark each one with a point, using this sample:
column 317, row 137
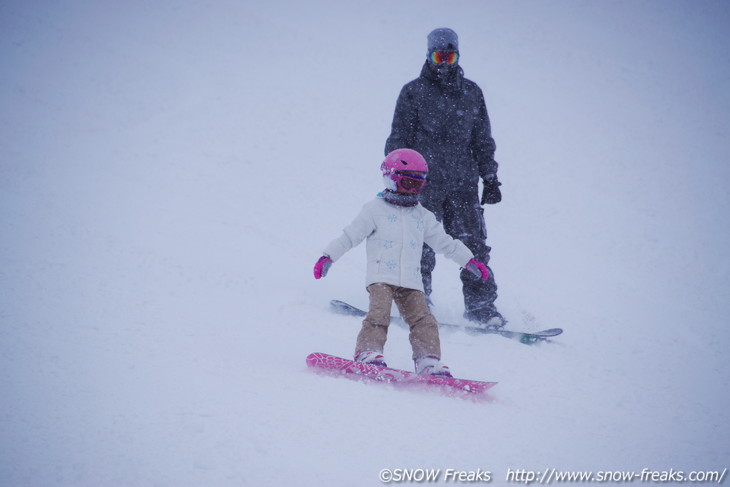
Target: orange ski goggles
column 444, row 57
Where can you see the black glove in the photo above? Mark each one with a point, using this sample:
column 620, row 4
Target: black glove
column 491, row 193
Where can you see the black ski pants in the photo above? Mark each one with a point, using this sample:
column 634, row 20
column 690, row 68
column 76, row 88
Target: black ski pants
column 462, row 216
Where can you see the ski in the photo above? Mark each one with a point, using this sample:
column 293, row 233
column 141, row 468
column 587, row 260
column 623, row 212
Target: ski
column 342, row 367
column 525, row 337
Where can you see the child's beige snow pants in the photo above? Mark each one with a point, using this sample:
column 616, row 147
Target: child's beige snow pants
column 424, row 332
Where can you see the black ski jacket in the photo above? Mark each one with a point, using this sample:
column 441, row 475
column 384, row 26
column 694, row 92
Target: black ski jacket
column 447, row 122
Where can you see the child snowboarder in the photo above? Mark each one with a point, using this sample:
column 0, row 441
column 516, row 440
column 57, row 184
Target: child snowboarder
column 396, row 226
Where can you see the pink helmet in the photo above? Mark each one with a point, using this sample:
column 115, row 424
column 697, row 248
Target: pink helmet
column 404, row 170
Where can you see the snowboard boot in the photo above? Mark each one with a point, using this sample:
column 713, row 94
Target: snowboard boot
column 430, row 365
column 370, row 357
column 487, row 317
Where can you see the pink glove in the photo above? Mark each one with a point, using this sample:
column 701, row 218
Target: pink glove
column 322, row 266
column 478, row 269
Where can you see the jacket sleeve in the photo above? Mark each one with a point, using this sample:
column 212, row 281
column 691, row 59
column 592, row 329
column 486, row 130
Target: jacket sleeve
column 482, row 144
column 361, row 227
column 442, row 243
column 403, row 128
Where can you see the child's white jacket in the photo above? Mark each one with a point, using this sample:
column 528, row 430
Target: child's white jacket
column 395, row 237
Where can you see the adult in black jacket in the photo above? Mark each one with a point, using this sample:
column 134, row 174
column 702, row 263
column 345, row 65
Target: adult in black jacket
column 443, row 116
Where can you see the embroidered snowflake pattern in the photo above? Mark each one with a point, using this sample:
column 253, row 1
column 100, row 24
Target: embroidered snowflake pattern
column 391, row 264
column 392, row 218
column 420, row 224
column 413, row 244
column 388, row 244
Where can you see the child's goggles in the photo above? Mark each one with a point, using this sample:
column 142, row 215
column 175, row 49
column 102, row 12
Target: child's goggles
column 411, row 181
column 444, row 57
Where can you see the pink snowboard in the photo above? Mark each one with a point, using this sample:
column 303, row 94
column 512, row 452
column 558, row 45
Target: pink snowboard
column 343, row 367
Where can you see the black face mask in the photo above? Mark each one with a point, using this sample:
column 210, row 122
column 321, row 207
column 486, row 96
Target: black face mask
column 443, row 71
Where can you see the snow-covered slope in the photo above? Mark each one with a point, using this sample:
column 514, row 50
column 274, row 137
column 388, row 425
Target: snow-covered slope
column 170, row 172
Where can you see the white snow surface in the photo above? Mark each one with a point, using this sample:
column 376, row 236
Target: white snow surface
column 170, row 172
